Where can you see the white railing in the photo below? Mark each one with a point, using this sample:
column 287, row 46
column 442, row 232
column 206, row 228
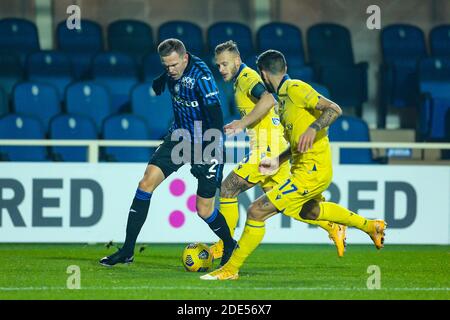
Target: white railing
column 94, row 145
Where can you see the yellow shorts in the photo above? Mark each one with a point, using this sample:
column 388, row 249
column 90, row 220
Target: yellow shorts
column 248, row 169
column 290, row 195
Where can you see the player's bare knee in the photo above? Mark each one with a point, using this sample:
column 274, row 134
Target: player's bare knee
column 144, row 186
column 147, row 184
column 226, row 193
column 152, row 178
column 254, row 213
column 310, row 210
column 203, row 210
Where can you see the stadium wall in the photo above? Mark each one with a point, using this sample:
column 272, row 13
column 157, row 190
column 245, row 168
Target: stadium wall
column 63, row 202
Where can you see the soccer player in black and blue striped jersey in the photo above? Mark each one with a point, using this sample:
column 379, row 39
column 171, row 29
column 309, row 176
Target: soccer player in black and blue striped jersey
column 198, row 120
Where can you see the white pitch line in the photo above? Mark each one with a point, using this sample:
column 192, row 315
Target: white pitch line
column 222, row 288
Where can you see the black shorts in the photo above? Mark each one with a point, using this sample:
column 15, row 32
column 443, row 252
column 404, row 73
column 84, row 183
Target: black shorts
column 208, row 181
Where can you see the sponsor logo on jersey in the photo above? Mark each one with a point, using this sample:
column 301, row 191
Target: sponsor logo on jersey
column 188, row 82
column 185, row 103
column 212, row 94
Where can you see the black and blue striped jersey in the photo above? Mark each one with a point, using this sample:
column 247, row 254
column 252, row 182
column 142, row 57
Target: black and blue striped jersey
column 192, row 94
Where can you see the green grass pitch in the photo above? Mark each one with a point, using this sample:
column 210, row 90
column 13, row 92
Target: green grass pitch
column 39, row 271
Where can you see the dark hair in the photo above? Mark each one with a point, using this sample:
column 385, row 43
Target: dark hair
column 229, row 45
column 272, row 61
column 168, row 46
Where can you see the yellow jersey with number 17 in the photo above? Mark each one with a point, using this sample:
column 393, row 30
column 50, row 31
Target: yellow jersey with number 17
column 297, row 109
column 267, row 135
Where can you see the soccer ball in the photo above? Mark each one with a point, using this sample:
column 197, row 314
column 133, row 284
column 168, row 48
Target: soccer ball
column 197, row 258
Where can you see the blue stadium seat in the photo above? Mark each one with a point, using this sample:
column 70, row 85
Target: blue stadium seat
column 68, row 127
column 286, row 38
column 152, row 66
column 50, row 67
column 250, row 61
column 11, row 71
column 15, row 126
column 403, row 46
column 188, row 32
column 18, row 36
column 90, row 99
column 156, row 110
column 322, row 37
column 132, row 37
column 435, row 70
column 224, row 31
column 117, row 72
column 331, row 53
column 320, row 89
column 80, row 45
column 434, row 119
column 351, row 129
column 440, row 41
column 4, row 102
column 126, row 127
column 304, row 73
column 38, row 100
column 434, row 83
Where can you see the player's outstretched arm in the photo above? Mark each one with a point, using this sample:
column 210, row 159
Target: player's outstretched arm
column 262, row 107
column 330, row 112
column 269, row 166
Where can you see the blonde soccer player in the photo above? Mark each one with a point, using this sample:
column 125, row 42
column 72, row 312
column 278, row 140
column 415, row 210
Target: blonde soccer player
column 305, row 115
column 266, row 140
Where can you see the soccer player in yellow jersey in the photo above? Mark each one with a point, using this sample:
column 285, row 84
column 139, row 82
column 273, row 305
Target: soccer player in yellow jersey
column 305, row 116
column 267, row 140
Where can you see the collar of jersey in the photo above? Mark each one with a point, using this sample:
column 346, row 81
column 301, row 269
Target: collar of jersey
column 190, row 63
column 241, row 67
column 286, row 77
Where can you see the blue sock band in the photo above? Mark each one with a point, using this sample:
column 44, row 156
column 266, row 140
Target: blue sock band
column 142, row 195
column 213, row 216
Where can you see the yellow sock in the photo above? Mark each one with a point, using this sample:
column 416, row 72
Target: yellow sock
column 229, row 208
column 333, row 212
column 327, row 225
column 250, row 239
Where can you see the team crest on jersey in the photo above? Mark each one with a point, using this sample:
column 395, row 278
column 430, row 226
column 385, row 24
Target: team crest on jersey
column 188, row 82
column 177, row 88
column 276, row 121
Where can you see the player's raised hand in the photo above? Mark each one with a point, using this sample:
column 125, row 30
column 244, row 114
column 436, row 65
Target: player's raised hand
column 269, row 166
column 234, row 127
column 306, row 140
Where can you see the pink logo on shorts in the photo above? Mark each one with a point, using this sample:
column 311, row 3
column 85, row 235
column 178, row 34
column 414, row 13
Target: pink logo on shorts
column 177, row 188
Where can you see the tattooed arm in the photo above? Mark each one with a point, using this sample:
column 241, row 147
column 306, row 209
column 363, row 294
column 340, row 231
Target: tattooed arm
column 330, row 112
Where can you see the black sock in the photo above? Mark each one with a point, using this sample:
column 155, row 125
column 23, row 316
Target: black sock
column 219, row 226
column 136, row 218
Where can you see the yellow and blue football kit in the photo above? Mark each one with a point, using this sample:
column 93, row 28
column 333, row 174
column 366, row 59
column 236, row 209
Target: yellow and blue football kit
column 266, row 135
column 267, row 139
column 311, row 172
